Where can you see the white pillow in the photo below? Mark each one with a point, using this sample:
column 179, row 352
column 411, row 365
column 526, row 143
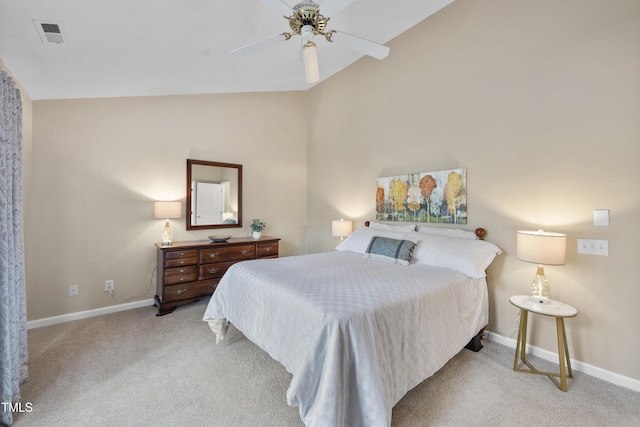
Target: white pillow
column 392, row 227
column 470, row 257
column 451, row 232
column 358, row 241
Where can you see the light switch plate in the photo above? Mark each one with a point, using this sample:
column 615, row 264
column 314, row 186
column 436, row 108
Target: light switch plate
column 601, row 217
column 593, row 247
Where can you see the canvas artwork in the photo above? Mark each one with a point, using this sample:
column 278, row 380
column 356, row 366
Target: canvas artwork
column 439, row 197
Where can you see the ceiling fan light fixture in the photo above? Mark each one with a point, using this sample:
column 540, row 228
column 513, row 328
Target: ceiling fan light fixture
column 307, row 33
column 311, row 72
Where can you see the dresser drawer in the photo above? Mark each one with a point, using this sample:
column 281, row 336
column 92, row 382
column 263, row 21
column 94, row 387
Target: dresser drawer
column 193, row 290
column 208, row 271
column 178, row 258
column 265, row 250
column 180, row 275
column 188, row 269
column 227, row 253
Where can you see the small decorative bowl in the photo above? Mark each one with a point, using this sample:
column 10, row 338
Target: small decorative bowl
column 219, row 239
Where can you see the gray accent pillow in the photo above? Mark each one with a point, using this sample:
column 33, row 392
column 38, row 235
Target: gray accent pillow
column 392, row 250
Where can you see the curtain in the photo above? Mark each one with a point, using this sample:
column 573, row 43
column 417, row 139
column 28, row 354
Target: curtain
column 13, row 310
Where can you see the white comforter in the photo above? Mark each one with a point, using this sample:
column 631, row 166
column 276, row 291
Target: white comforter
column 356, row 333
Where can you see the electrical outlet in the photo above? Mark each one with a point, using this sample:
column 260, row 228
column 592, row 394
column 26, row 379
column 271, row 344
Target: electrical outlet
column 108, row 285
column 73, row 290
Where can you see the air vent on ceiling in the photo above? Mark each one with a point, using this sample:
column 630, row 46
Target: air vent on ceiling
column 50, row 32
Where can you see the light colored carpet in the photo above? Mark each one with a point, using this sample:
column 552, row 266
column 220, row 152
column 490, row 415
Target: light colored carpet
column 135, row 369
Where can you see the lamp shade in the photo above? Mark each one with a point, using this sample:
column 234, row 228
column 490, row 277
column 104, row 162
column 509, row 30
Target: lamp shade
column 341, row 228
column 541, row 247
column 167, row 210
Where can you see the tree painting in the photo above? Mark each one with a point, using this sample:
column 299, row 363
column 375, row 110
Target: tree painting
column 439, row 197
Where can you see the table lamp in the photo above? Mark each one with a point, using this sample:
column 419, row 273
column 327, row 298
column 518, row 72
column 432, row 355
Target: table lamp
column 341, row 228
column 542, row 248
column 167, row 210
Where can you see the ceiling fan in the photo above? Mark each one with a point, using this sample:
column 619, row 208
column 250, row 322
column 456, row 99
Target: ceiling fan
column 306, row 20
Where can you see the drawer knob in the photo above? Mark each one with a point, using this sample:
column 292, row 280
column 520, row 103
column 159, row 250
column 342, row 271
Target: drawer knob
column 213, row 270
column 214, row 255
column 181, row 261
column 268, row 249
column 182, row 270
column 180, row 253
column 180, row 291
column 245, row 251
column 182, row 279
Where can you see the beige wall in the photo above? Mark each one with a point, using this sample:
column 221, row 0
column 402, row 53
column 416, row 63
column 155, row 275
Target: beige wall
column 540, row 102
column 99, row 164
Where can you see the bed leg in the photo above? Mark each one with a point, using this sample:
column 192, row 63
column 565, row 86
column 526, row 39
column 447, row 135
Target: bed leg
column 476, row 342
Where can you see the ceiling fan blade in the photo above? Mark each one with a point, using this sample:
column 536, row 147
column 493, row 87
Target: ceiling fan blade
column 361, row 45
column 332, row 7
column 279, row 6
column 255, row 46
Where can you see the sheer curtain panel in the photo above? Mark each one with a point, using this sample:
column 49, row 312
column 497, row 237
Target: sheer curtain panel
column 13, row 310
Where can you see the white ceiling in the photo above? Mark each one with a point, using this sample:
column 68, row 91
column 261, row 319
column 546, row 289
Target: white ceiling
column 169, row 47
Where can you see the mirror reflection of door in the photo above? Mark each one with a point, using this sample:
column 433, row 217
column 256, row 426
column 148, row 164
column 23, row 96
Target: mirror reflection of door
column 208, row 203
column 221, row 210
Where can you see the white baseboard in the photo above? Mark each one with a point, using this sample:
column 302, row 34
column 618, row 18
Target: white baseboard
column 47, row 321
column 576, row 365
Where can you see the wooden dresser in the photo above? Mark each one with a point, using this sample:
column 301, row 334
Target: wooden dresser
column 188, row 271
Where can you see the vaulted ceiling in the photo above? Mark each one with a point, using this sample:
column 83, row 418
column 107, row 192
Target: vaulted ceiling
column 168, row 47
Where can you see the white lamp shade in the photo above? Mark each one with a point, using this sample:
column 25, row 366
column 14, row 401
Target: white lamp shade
column 541, row 247
column 341, row 228
column 167, row 210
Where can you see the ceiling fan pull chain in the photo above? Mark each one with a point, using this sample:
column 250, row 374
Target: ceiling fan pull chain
column 301, row 56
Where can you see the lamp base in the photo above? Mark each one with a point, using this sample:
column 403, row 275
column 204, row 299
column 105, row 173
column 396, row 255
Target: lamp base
column 539, row 300
column 167, row 235
column 540, row 287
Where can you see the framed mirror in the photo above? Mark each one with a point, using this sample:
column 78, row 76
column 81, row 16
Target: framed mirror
column 214, row 195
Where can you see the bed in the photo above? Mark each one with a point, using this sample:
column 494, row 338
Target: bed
column 360, row 326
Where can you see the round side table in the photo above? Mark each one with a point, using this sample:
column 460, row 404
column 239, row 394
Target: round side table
column 555, row 309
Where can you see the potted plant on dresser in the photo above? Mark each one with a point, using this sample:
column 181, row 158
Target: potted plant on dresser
column 257, row 226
